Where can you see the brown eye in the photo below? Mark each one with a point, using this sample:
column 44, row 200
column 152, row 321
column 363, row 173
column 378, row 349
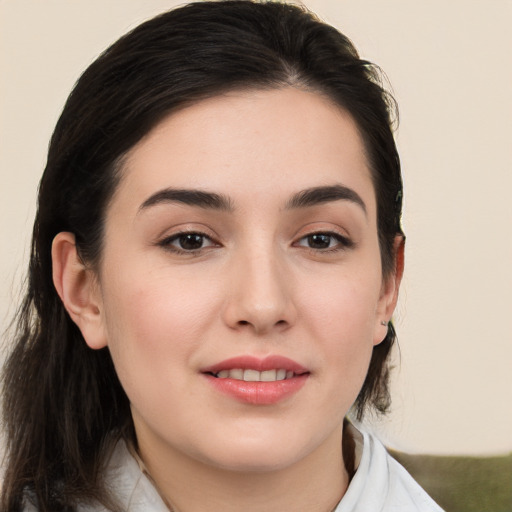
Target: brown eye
column 325, row 242
column 187, row 242
column 319, row 241
column 190, row 241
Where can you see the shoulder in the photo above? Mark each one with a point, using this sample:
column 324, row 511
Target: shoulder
column 128, row 485
column 382, row 484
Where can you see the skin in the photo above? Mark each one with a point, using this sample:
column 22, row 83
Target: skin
column 258, row 285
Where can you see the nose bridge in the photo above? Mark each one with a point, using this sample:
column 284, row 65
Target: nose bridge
column 260, row 295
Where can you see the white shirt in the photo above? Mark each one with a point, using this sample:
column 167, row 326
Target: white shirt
column 380, row 484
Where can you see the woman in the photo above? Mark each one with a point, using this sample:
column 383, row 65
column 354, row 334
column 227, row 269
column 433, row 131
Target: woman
column 216, row 258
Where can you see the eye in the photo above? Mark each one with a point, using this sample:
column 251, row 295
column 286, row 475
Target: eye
column 187, row 242
column 325, row 241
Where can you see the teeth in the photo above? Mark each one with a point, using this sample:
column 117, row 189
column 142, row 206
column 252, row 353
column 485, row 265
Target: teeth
column 250, row 375
column 237, row 374
column 268, row 376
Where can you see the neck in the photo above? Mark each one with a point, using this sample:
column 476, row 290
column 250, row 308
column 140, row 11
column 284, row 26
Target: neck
column 315, row 483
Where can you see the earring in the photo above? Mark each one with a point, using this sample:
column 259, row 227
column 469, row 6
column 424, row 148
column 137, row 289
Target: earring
column 383, row 322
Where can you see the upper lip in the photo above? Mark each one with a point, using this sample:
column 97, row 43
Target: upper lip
column 247, row 362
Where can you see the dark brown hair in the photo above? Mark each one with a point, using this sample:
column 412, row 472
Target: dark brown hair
column 64, row 407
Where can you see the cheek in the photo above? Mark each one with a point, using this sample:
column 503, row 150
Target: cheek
column 155, row 323
column 341, row 316
column 157, row 306
column 345, row 301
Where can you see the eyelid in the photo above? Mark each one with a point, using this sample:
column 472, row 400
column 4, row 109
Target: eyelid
column 344, row 241
column 166, row 241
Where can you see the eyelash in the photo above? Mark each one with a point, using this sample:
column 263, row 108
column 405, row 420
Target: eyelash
column 167, row 242
column 341, row 242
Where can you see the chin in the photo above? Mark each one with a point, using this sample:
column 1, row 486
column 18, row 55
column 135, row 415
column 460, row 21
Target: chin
column 259, row 454
column 256, row 461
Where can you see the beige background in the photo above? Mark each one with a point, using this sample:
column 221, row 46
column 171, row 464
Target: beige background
column 449, row 62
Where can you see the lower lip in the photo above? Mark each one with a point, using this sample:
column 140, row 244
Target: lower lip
column 258, row 393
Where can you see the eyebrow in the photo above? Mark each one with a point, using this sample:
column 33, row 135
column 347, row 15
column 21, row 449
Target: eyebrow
column 318, row 195
column 212, row 201
column 199, row 198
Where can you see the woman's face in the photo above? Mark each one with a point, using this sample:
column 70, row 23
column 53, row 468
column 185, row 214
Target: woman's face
column 240, row 289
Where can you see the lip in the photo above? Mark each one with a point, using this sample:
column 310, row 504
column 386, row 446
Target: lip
column 255, row 363
column 257, row 393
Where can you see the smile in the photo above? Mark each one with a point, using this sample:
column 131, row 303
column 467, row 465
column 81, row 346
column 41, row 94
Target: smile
column 250, row 375
column 256, row 381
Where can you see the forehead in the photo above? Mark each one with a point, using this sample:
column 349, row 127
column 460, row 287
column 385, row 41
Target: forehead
column 249, row 143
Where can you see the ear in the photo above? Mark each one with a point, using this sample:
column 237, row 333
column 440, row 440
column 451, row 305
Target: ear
column 389, row 292
column 78, row 289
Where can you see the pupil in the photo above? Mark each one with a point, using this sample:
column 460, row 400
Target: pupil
column 191, row 241
column 319, row 241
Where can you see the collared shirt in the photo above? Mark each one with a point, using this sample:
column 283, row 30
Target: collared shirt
column 380, row 484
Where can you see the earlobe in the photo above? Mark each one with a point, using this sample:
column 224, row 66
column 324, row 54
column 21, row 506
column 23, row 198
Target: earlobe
column 78, row 290
column 389, row 292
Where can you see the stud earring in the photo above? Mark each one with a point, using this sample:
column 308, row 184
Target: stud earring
column 383, row 322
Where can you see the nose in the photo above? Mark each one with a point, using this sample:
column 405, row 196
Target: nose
column 260, row 294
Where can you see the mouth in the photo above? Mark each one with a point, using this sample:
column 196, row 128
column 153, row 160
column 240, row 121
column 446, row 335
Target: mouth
column 254, row 369
column 257, row 381
column 251, row 375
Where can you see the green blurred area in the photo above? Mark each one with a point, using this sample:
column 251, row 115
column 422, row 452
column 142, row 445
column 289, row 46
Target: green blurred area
column 463, row 484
